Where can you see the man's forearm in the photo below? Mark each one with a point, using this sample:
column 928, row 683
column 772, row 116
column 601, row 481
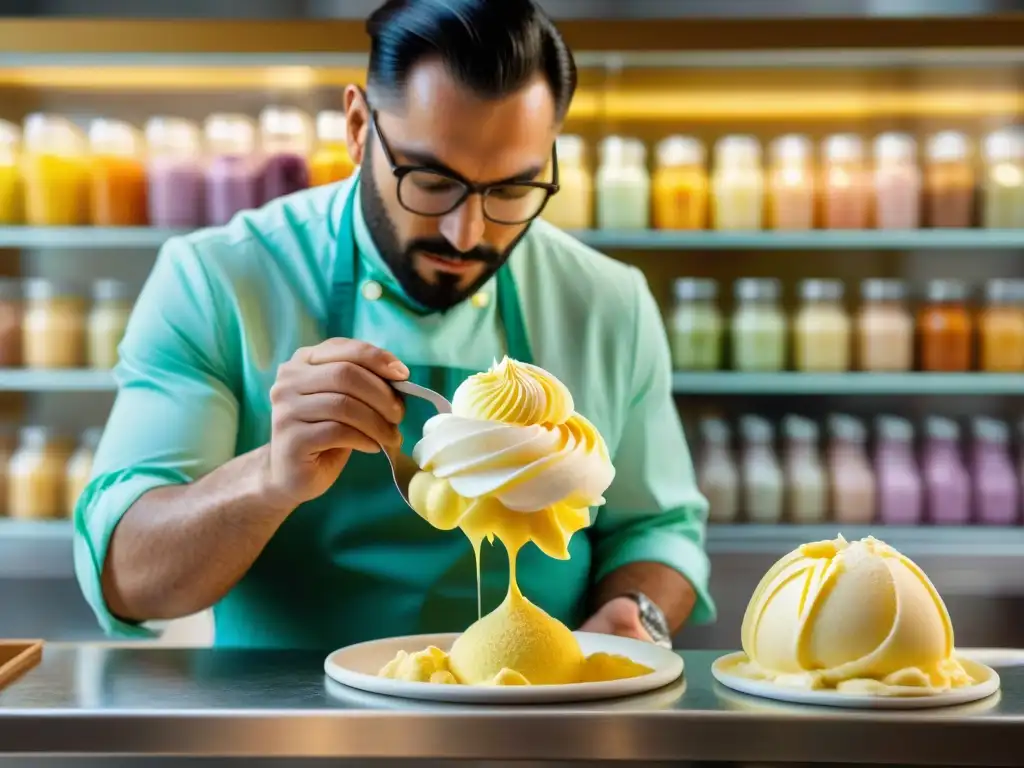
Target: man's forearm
column 668, row 588
column 180, row 549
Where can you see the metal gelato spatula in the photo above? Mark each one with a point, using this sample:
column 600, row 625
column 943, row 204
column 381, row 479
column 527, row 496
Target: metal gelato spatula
column 404, row 468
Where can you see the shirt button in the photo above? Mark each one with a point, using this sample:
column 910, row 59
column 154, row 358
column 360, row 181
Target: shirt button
column 480, row 300
column 371, row 290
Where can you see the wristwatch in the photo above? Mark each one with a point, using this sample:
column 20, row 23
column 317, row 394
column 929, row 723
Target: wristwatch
column 652, row 618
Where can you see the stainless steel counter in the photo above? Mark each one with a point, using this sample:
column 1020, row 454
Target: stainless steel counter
column 106, row 700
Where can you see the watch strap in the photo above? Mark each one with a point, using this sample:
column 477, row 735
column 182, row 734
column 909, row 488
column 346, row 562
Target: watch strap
column 652, row 618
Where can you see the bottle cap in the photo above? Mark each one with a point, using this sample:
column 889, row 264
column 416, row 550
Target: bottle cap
column 847, row 428
column 941, row 428
column 791, row 149
column 1004, row 145
column 695, row 289
column 894, row 429
column 821, row 290
column 757, row 289
column 946, row 291
column 738, row 150
column 844, row 148
column 800, row 429
column 947, row 146
column 883, row 290
column 715, row 430
column 620, row 150
column 756, row 430
column 895, row 148
column 173, row 135
column 110, row 290
column 674, row 151
column 988, row 430
column 332, row 126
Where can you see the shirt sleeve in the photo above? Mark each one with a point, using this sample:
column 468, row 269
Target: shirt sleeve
column 654, row 511
column 175, row 417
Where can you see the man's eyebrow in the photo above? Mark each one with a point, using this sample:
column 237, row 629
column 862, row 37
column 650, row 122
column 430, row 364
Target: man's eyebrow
column 431, row 161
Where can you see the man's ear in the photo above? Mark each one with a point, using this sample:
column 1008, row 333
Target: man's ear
column 357, row 115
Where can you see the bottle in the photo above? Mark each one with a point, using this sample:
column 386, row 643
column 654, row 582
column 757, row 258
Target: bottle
column 696, row 326
column 758, row 326
column 286, row 143
column 949, row 180
column 885, row 327
column 623, row 185
column 680, row 185
column 11, row 318
column 35, row 488
column 897, row 182
column 331, row 161
column 850, row 475
column 53, row 329
column 717, row 477
column 107, row 322
column 737, row 184
column 175, row 173
column 900, row 493
column 1001, row 327
column 11, row 191
column 946, row 485
column 79, row 469
column 55, row 170
column 1003, row 185
column 822, row 329
column 791, row 188
column 806, row 483
column 945, row 327
column 762, row 476
column 844, row 183
column 994, row 479
column 117, row 168
column 572, row 207
column 234, row 172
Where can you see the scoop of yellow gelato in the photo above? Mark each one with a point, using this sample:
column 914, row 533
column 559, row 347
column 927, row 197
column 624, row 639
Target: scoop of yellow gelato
column 427, row 666
column 857, row 616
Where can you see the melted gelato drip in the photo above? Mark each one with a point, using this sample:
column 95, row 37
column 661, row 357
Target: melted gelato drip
column 855, row 617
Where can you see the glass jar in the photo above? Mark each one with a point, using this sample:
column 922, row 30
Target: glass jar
column 79, row 469
column 175, row 173
column 995, row 485
column 897, row 182
column 1001, row 327
column 1003, row 187
column 11, row 191
column 118, row 171
column 35, row 489
column 572, row 207
column 108, row 319
column 900, row 493
column 947, row 485
column 331, row 161
column 822, row 328
column 949, row 180
column 8, row 444
column 53, row 330
column 286, row 142
column 885, row 327
column 696, row 326
column 55, row 171
column 851, row 477
column 680, row 185
column 945, row 327
column 234, row 171
column 737, row 184
column 758, row 326
column 791, row 188
column 717, row 476
column 11, row 311
column 762, row 476
column 623, row 185
column 806, row 487
column 844, row 185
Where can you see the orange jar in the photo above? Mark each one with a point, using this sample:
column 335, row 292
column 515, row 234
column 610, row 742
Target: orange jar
column 944, row 327
column 680, row 185
column 117, row 172
column 1001, row 327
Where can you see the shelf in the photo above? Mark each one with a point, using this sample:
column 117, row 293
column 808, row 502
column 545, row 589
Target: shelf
column 35, row 549
column 20, row 380
column 84, row 238
column 793, row 383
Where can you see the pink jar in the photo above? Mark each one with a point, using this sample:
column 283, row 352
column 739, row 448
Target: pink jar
column 791, row 183
column 885, row 327
column 946, row 484
column 993, row 478
column 845, row 183
column 717, row 476
column 899, row 479
column 850, row 475
column 897, row 182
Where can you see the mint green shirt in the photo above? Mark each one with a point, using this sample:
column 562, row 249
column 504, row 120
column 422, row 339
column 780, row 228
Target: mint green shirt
column 224, row 307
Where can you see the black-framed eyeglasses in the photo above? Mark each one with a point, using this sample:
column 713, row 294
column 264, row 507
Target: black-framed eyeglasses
column 434, row 192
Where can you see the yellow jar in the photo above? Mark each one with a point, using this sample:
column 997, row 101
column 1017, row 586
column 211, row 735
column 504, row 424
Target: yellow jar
column 331, row 162
column 572, row 207
column 79, row 469
column 55, row 170
column 680, row 185
column 53, row 330
column 1003, row 185
column 108, row 320
column 35, row 489
column 11, row 191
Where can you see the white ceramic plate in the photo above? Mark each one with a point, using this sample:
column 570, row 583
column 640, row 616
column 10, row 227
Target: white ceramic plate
column 357, row 666
column 994, row 657
column 988, row 683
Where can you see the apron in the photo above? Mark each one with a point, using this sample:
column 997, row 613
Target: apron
column 357, row 564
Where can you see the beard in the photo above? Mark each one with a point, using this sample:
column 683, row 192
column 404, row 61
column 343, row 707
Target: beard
column 444, row 292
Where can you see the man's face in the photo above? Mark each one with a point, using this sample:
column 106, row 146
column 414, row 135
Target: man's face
column 442, row 260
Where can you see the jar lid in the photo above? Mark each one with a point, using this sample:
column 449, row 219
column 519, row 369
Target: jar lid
column 844, row 147
column 332, row 125
column 756, row 430
column 44, row 289
column 946, row 291
column 988, row 430
column 800, row 429
column 35, row 436
column 231, row 134
column 894, row 429
column 674, row 151
column 173, row 134
column 695, row 289
column 114, row 137
column 1003, row 291
column 289, row 123
column 757, row 289
column 91, row 438
column 791, row 148
column 53, row 133
column 738, row 150
column 948, row 145
column 10, row 289
column 1004, row 144
column 883, row 289
column 571, row 148
column 821, row 290
column 847, row 428
column 110, row 290
column 620, row 150
column 715, row 430
column 894, row 147
column 941, row 428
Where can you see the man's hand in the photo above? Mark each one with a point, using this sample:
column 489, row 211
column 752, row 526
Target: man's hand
column 620, row 616
column 328, row 401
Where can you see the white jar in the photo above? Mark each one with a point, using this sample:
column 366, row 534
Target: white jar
column 108, row 320
column 737, row 184
column 623, row 185
column 572, row 207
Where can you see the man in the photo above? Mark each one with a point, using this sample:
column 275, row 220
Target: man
column 241, row 467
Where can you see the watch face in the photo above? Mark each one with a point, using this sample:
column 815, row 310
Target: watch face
column 653, row 619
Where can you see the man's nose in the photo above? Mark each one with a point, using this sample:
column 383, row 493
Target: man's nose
column 464, row 227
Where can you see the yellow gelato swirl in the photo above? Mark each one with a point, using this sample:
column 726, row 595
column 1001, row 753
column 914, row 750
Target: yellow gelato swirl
column 514, row 393
column 858, row 617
